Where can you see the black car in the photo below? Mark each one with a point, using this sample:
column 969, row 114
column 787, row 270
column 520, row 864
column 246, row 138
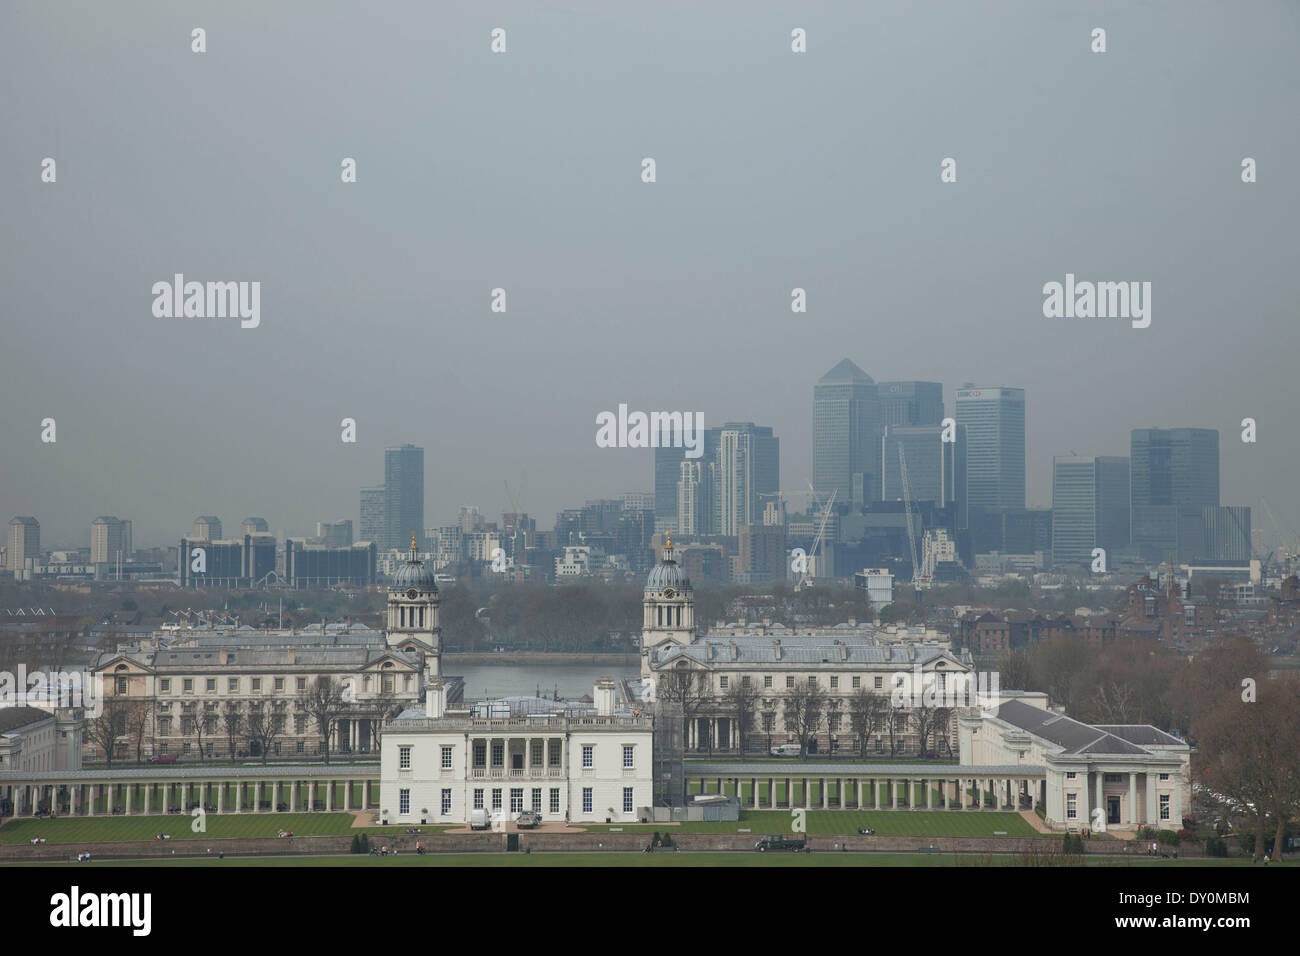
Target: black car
column 794, row 844
column 866, row 831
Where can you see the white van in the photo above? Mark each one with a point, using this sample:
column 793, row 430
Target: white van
column 786, row 750
column 479, row 819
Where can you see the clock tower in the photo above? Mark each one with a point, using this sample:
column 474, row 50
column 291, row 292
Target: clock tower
column 669, row 609
column 412, row 618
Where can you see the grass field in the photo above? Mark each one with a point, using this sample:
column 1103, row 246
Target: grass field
column 971, row 823
column 650, row 860
column 179, row 827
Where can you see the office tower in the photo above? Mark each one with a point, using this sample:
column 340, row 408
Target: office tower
column 1175, row 475
column 1226, row 534
column 335, row 534
column 747, row 462
column 1088, row 507
column 910, row 403
column 243, row 562
column 846, row 435
column 762, row 554
column 668, row 471
column 995, row 445
column 320, row 565
column 692, row 501
column 24, row 542
column 254, row 526
column 206, row 528
column 639, row 501
column 372, row 523
column 471, row 519
column 403, row 495
column 936, row 469
column 110, row 540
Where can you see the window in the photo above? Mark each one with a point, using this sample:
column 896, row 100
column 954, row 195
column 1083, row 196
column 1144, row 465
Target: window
column 302, row 683
column 232, row 685
column 744, row 681
column 1070, row 775
column 536, row 752
column 299, row 724
column 586, row 799
column 403, row 758
column 480, row 755
column 279, row 684
column 627, row 799
column 789, row 681
column 1164, row 776
column 554, row 759
column 767, row 680
column 857, row 682
column 1113, row 778
column 165, row 726
column 498, row 754
column 555, row 799
column 516, row 799
column 879, row 683
column 388, row 683
column 121, row 685
column 627, row 756
column 188, row 685
column 1071, row 806
column 768, row 723
column 536, row 805
column 1164, row 806
column 446, row 802
column 496, row 798
column 835, row 683
column 446, row 758
column 587, row 750
column 277, row 748
column 403, row 801
column 165, row 686
column 257, row 685
column 211, row 685
column 722, row 682
column 478, row 798
column 302, row 747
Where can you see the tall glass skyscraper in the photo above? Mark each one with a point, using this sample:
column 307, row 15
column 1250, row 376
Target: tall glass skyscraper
column 936, row 469
column 995, row 445
column 1089, row 507
column 372, row 528
column 846, row 435
column 1175, row 475
column 910, row 403
column 403, row 496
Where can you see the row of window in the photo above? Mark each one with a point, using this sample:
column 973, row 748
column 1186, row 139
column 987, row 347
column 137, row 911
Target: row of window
column 1110, row 777
column 1072, row 806
column 278, row 684
column 878, row 682
column 498, row 756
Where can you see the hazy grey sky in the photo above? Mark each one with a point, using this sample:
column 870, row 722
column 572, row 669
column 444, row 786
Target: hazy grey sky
column 522, row 171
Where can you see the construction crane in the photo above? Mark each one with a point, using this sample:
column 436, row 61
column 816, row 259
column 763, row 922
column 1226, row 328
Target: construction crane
column 807, row 580
column 907, row 505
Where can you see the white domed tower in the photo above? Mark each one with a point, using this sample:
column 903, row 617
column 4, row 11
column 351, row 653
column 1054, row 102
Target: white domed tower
column 412, row 620
column 669, row 608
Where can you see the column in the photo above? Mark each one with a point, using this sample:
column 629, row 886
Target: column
column 771, row 792
column 148, row 788
column 239, row 795
column 293, row 796
column 1101, row 799
column 347, row 794
column 91, row 802
column 876, row 805
column 1084, row 797
column 185, row 796
column 893, row 791
column 329, row 795
column 929, row 795
column 961, row 793
column 1132, row 798
column 1153, row 803
column 127, row 808
column 911, row 793
column 825, row 794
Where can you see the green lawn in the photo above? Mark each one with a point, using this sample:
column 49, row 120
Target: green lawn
column 179, row 827
column 970, row 823
column 824, row 858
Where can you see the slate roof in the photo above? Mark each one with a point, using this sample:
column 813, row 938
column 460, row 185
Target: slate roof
column 12, row 718
column 803, row 649
column 1074, row 736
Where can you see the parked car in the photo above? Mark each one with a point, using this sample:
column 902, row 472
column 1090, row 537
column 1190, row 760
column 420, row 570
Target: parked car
column 866, row 831
column 786, row 750
column 794, row 844
column 164, row 758
column 528, row 820
column 479, row 819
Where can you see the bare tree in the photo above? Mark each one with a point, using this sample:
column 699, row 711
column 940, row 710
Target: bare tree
column 323, row 702
column 104, row 730
column 261, row 728
column 804, row 706
column 198, row 723
column 742, row 700
column 232, row 719
column 866, row 714
column 687, row 688
column 139, row 718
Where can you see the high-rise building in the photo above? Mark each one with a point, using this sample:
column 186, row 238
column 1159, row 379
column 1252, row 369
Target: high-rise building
column 1089, row 507
column 638, row 501
column 1225, row 534
column 747, row 471
column 335, row 534
column 403, row 495
column 24, row 543
column 206, row 528
column 694, row 496
column 936, row 469
column 372, row 525
column 213, row 563
column 995, row 445
column 846, row 435
column 762, row 554
column 110, row 540
column 254, row 526
column 1175, row 475
column 910, row 403
column 323, row 565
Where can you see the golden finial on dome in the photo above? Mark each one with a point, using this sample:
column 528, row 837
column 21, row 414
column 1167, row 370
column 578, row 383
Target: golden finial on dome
column 669, row 545
column 412, row 542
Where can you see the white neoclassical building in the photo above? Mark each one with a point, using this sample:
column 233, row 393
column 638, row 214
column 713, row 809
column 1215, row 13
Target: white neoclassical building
column 1119, row 775
column 566, row 760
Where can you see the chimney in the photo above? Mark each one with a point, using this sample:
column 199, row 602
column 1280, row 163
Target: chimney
column 604, row 697
column 735, row 653
column 844, row 650
column 291, row 655
column 435, row 698
column 776, row 646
